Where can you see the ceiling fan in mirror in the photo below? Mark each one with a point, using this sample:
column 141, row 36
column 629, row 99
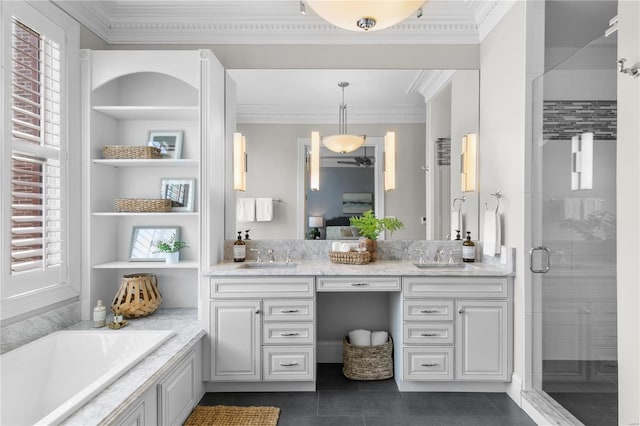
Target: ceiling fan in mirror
column 360, row 160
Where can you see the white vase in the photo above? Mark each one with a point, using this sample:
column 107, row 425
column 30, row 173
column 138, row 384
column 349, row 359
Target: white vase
column 172, row 258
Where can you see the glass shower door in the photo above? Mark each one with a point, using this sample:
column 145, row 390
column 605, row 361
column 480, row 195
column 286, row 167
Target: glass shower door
column 574, row 179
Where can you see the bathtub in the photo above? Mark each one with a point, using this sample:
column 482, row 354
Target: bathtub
column 45, row 381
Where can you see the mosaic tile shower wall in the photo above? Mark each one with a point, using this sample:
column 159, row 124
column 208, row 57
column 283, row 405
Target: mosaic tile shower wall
column 564, row 119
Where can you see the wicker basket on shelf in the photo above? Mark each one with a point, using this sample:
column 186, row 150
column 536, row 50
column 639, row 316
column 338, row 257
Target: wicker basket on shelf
column 350, row 257
column 143, row 205
column 138, row 296
column 126, row 152
column 367, row 362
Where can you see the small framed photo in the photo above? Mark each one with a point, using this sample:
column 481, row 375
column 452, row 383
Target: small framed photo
column 356, row 202
column 144, row 240
column 169, row 142
column 180, row 191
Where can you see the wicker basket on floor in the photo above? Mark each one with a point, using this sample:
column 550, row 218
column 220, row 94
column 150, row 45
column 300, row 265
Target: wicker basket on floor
column 367, row 362
column 138, row 296
column 127, row 152
column 143, row 205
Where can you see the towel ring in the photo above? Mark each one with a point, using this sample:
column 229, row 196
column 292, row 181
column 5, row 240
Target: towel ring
column 462, row 200
column 498, row 195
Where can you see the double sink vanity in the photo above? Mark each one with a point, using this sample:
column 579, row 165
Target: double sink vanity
column 451, row 324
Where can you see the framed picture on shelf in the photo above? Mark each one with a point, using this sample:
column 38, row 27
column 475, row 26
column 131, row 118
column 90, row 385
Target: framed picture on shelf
column 169, row 142
column 356, row 202
column 180, row 191
column 144, row 239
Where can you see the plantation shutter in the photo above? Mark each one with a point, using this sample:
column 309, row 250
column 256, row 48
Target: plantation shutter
column 37, row 196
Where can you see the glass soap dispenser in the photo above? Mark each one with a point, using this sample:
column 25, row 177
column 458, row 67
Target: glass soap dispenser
column 468, row 249
column 239, row 249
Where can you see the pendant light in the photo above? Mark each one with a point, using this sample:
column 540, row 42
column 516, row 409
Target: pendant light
column 365, row 15
column 343, row 142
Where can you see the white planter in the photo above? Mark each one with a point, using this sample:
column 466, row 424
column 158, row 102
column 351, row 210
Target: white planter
column 172, row 258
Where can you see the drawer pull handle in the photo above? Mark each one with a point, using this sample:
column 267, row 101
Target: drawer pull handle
column 288, row 364
column 289, row 311
column 429, row 311
column 429, row 364
column 359, row 284
column 289, row 334
column 429, row 334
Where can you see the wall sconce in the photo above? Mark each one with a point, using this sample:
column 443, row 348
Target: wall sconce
column 390, row 161
column 582, row 161
column 314, row 171
column 468, row 182
column 239, row 162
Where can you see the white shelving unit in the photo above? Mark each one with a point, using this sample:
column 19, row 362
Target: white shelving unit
column 126, row 95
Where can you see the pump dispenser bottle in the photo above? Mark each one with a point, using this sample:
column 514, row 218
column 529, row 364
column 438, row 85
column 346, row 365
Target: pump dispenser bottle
column 99, row 315
column 239, row 249
column 468, row 249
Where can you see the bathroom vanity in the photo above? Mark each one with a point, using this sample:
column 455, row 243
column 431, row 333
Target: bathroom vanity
column 451, row 326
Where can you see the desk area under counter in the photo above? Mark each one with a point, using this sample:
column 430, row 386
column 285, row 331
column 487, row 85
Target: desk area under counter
column 269, row 326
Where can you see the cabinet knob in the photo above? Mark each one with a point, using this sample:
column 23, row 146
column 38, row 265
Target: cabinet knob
column 461, row 311
column 257, row 311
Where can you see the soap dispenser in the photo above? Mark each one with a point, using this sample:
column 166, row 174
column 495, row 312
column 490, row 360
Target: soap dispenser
column 468, row 249
column 239, row 249
column 99, row 315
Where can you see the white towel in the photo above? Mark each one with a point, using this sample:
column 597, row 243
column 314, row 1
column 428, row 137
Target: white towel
column 489, row 233
column 246, row 209
column 379, row 338
column 573, row 208
column 498, row 249
column 264, row 209
column 360, row 337
column 591, row 206
column 456, row 224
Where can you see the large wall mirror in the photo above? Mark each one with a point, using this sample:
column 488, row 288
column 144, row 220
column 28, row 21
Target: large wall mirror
column 429, row 110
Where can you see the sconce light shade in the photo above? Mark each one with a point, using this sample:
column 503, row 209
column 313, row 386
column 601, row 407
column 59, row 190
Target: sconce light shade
column 314, row 170
column 390, row 161
column 468, row 165
column 364, row 15
column 239, row 162
column 343, row 143
column 315, row 221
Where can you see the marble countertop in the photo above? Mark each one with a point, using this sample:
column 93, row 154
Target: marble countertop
column 116, row 398
column 379, row 267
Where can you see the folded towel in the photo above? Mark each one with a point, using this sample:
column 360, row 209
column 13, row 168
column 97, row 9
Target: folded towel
column 379, row 338
column 573, row 208
column 246, row 209
column 456, row 224
column 591, row 206
column 360, row 337
column 264, row 209
column 489, row 233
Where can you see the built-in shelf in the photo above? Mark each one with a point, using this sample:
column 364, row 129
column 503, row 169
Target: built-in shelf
column 143, row 112
column 160, row 162
column 124, row 264
column 145, row 213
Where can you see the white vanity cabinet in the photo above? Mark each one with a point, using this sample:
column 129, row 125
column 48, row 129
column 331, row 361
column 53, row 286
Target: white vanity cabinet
column 456, row 328
column 262, row 329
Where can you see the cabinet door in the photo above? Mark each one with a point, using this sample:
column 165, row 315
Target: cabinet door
column 177, row 393
column 235, row 340
column 482, row 335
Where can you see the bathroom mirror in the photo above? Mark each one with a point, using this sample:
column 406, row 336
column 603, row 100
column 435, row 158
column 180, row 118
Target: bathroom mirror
column 276, row 108
column 144, row 238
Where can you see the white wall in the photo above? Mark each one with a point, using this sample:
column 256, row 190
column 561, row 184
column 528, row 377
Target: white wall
column 502, row 136
column 628, row 213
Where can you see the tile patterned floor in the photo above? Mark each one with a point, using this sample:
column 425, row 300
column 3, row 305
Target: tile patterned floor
column 342, row 402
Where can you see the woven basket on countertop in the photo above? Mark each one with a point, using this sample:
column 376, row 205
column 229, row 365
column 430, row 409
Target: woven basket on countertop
column 126, row 152
column 350, row 257
column 143, row 205
column 367, row 362
column 138, row 296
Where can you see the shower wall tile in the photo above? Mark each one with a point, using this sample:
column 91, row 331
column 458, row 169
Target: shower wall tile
column 564, row 119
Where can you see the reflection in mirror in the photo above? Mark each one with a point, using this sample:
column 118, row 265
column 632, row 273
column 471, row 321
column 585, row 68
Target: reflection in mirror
column 277, row 108
column 144, row 238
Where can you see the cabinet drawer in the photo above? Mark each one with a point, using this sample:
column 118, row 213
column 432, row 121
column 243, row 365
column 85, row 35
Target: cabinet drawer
column 288, row 333
column 260, row 288
column 428, row 310
column 428, row 363
column 358, row 283
column 288, row 363
column 457, row 287
column 440, row 333
column 288, row 310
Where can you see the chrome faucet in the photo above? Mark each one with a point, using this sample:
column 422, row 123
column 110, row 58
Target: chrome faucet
column 438, row 256
column 258, row 259
column 272, row 257
column 288, row 259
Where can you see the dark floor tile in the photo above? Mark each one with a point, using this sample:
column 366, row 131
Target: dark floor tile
column 504, row 404
column 349, row 403
column 412, row 421
column 450, row 403
column 388, row 385
column 339, row 403
column 422, row 404
column 496, row 421
column 216, row 398
column 321, row 421
column 290, row 403
column 330, row 377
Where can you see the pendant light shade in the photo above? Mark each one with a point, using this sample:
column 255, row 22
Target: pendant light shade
column 364, row 15
column 343, row 142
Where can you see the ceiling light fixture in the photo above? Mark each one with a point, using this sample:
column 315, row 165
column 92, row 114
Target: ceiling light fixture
column 303, row 8
column 343, row 142
column 365, row 15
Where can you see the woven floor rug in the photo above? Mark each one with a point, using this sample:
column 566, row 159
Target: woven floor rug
column 224, row 415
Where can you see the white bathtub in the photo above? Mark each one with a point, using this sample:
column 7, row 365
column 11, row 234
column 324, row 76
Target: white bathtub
column 45, row 381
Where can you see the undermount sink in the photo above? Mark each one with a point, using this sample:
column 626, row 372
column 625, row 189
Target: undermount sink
column 441, row 265
column 268, row 265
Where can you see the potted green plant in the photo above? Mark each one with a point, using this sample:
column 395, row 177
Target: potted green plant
column 171, row 246
column 370, row 227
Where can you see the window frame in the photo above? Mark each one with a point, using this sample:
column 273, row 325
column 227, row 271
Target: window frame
column 21, row 294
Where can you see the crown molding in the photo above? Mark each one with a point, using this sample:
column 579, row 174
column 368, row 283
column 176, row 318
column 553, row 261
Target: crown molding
column 490, row 13
column 429, row 83
column 96, row 16
column 282, row 114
